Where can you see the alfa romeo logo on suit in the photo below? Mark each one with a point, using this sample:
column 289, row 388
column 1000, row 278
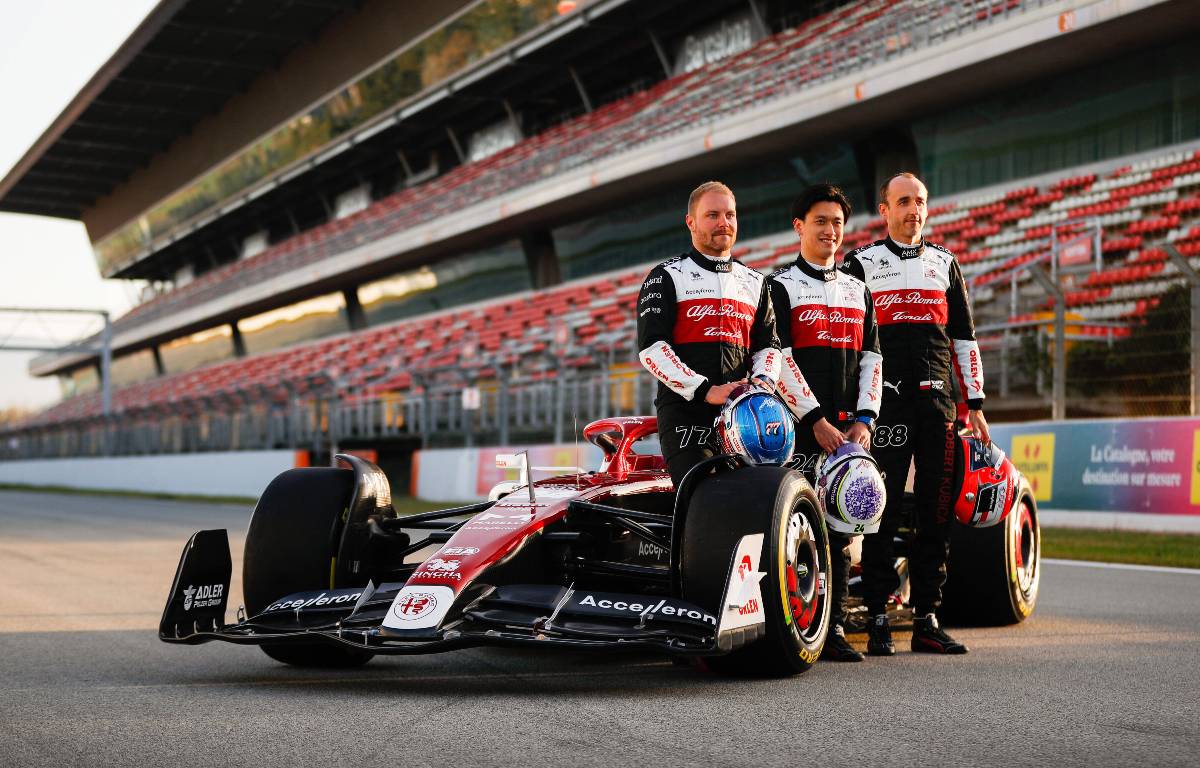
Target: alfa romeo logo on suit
column 414, row 606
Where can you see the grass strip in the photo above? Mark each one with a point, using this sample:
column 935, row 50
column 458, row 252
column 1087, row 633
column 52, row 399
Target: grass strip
column 1109, row 545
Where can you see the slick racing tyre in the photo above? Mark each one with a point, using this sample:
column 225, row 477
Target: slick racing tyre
column 993, row 573
column 780, row 504
column 290, row 547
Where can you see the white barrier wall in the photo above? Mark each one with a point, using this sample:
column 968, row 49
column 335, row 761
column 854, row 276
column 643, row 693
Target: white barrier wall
column 467, row 474
column 233, row 473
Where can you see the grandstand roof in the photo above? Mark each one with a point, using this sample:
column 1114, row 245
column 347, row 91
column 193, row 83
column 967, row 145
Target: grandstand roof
column 182, row 63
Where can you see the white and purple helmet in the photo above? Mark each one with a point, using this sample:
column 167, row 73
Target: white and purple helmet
column 850, row 490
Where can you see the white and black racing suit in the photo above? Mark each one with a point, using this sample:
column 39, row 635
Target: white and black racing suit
column 701, row 322
column 831, row 369
column 927, row 338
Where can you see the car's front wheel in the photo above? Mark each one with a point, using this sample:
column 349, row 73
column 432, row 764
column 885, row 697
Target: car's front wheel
column 290, row 547
column 779, row 504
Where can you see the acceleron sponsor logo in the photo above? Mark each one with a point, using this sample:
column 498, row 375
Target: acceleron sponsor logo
column 319, row 601
column 646, row 549
column 662, row 607
column 203, row 596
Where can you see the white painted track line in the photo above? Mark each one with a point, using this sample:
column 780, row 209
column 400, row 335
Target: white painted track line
column 1121, row 566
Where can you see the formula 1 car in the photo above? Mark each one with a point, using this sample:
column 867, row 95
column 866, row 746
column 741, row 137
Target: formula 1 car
column 730, row 568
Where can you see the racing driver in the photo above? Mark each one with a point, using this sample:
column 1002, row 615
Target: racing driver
column 832, row 370
column 926, row 334
column 705, row 324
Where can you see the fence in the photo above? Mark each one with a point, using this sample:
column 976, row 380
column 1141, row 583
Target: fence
column 1130, row 352
column 546, row 409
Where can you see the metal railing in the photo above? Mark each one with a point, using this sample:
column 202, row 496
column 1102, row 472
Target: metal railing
column 554, row 408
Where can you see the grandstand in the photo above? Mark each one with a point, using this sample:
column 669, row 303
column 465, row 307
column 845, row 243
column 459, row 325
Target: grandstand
column 345, row 296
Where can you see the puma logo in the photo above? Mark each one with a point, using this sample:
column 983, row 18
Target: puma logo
column 895, row 386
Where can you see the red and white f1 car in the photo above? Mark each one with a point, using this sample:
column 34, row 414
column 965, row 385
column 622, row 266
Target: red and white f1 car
column 730, row 567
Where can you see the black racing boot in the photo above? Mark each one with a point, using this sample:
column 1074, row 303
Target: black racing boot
column 837, row 648
column 879, row 637
column 928, row 637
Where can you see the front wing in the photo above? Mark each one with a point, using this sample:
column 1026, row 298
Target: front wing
column 373, row 617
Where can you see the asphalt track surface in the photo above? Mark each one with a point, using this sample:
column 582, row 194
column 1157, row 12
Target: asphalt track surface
column 1105, row 673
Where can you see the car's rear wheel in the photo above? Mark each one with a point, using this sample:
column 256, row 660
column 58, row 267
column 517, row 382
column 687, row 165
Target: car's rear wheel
column 993, row 573
column 290, row 547
column 795, row 558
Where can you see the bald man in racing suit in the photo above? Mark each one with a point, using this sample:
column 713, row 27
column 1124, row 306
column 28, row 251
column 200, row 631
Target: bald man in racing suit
column 705, row 325
column 832, row 370
column 927, row 336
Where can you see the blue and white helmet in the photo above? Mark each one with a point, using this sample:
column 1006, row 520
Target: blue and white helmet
column 851, row 490
column 755, row 425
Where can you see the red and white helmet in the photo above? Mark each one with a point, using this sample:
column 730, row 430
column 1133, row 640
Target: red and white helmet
column 988, row 487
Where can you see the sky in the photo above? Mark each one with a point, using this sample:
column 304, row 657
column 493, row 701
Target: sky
column 48, row 52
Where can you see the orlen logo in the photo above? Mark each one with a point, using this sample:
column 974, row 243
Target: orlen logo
column 460, row 551
column 414, row 606
column 751, row 607
column 659, row 374
column 974, row 362
column 772, row 427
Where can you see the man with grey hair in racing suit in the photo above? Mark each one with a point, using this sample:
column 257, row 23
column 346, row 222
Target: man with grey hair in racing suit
column 832, row 369
column 705, row 326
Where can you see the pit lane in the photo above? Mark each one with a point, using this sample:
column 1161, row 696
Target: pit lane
column 1104, row 673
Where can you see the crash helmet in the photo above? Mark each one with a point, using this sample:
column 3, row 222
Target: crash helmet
column 851, row 490
column 986, row 482
column 755, row 425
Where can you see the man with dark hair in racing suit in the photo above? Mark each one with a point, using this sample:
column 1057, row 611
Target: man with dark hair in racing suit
column 927, row 335
column 705, row 324
column 832, row 370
